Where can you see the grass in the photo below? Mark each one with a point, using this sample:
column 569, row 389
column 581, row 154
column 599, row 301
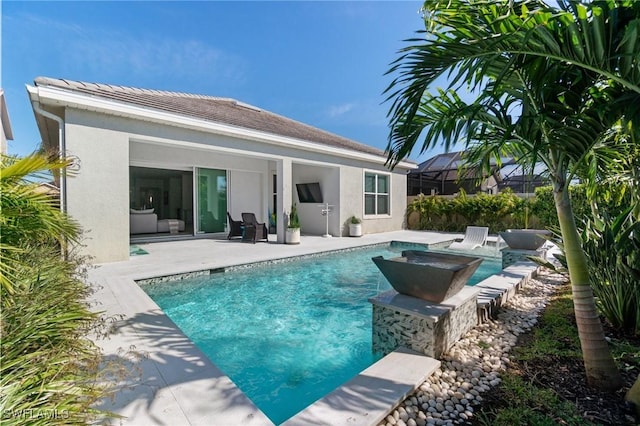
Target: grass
column 529, row 404
column 552, row 350
column 556, row 336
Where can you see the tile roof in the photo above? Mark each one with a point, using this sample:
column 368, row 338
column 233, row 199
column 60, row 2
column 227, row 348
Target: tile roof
column 214, row 109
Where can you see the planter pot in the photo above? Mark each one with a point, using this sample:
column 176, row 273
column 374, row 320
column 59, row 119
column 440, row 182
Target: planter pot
column 525, row 239
column 293, row 236
column 355, row 230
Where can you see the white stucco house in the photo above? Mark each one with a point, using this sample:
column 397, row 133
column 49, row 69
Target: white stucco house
column 154, row 164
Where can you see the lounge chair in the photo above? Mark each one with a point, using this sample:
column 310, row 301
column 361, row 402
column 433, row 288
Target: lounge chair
column 474, row 237
column 253, row 230
column 235, row 227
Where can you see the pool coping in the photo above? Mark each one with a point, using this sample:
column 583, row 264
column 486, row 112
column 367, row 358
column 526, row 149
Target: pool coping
column 173, row 382
column 367, row 398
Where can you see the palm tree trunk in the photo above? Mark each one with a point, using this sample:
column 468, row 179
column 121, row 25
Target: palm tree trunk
column 600, row 367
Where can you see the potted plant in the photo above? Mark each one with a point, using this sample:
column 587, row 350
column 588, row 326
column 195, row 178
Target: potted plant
column 355, row 227
column 293, row 227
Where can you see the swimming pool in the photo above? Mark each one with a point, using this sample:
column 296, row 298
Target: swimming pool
column 286, row 333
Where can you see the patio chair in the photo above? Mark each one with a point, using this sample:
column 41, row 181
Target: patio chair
column 474, row 237
column 253, row 230
column 235, row 227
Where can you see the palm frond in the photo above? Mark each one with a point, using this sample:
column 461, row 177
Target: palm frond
column 486, row 46
column 28, row 215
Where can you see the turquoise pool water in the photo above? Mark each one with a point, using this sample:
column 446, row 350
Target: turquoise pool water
column 287, row 333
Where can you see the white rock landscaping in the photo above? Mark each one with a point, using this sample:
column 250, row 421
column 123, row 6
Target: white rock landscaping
column 473, row 365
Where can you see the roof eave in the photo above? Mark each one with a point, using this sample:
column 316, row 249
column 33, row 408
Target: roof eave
column 55, row 96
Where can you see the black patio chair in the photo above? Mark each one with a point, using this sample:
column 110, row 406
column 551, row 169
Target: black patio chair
column 253, row 230
column 235, row 227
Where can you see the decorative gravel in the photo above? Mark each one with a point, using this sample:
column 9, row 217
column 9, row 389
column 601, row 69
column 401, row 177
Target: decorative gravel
column 473, row 365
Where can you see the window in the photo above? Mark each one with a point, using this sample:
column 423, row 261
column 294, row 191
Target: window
column 376, row 194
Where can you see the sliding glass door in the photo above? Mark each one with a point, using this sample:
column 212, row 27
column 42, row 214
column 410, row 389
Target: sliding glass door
column 211, row 200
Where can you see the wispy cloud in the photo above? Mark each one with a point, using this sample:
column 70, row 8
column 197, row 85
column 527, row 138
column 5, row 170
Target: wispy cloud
column 161, row 57
column 41, row 22
column 361, row 112
column 339, row 110
column 108, row 52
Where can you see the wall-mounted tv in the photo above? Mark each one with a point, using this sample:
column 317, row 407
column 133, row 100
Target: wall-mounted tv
column 309, row 192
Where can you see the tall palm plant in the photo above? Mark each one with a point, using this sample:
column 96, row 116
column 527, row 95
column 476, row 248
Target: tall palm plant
column 49, row 365
column 27, row 214
column 558, row 86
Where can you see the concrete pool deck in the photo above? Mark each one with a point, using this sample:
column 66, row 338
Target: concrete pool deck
column 171, row 382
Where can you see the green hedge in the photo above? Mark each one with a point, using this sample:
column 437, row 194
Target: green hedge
column 506, row 210
column 611, row 199
column 498, row 212
column 610, row 235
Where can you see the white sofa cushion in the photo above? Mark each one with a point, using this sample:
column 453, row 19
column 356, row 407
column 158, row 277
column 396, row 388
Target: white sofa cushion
column 143, row 223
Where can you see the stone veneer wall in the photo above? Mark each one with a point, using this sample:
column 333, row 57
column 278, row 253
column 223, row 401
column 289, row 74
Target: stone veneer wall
column 423, row 332
column 511, row 256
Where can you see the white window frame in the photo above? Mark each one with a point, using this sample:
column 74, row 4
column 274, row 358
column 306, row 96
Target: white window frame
column 375, row 194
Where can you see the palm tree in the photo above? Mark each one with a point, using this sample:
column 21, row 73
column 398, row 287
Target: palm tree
column 28, row 216
column 558, row 86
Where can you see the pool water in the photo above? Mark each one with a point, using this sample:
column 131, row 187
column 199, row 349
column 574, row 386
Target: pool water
column 286, row 333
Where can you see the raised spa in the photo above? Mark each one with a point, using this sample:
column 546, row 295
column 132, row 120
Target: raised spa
column 525, row 239
column 428, row 275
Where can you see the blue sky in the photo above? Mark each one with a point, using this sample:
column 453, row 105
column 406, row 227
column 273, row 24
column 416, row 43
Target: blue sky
column 321, row 63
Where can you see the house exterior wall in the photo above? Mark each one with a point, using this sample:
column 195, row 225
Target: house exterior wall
column 98, row 193
column 343, row 187
column 107, row 145
column 352, row 200
column 246, row 194
column 311, row 219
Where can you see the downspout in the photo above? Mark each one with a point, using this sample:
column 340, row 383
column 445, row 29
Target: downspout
column 62, row 151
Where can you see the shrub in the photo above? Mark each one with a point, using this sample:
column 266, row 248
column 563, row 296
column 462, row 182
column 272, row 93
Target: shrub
column 609, row 198
column 49, row 373
column 613, row 253
column 611, row 241
column 49, row 370
column 498, row 212
column 544, row 207
column 433, row 211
